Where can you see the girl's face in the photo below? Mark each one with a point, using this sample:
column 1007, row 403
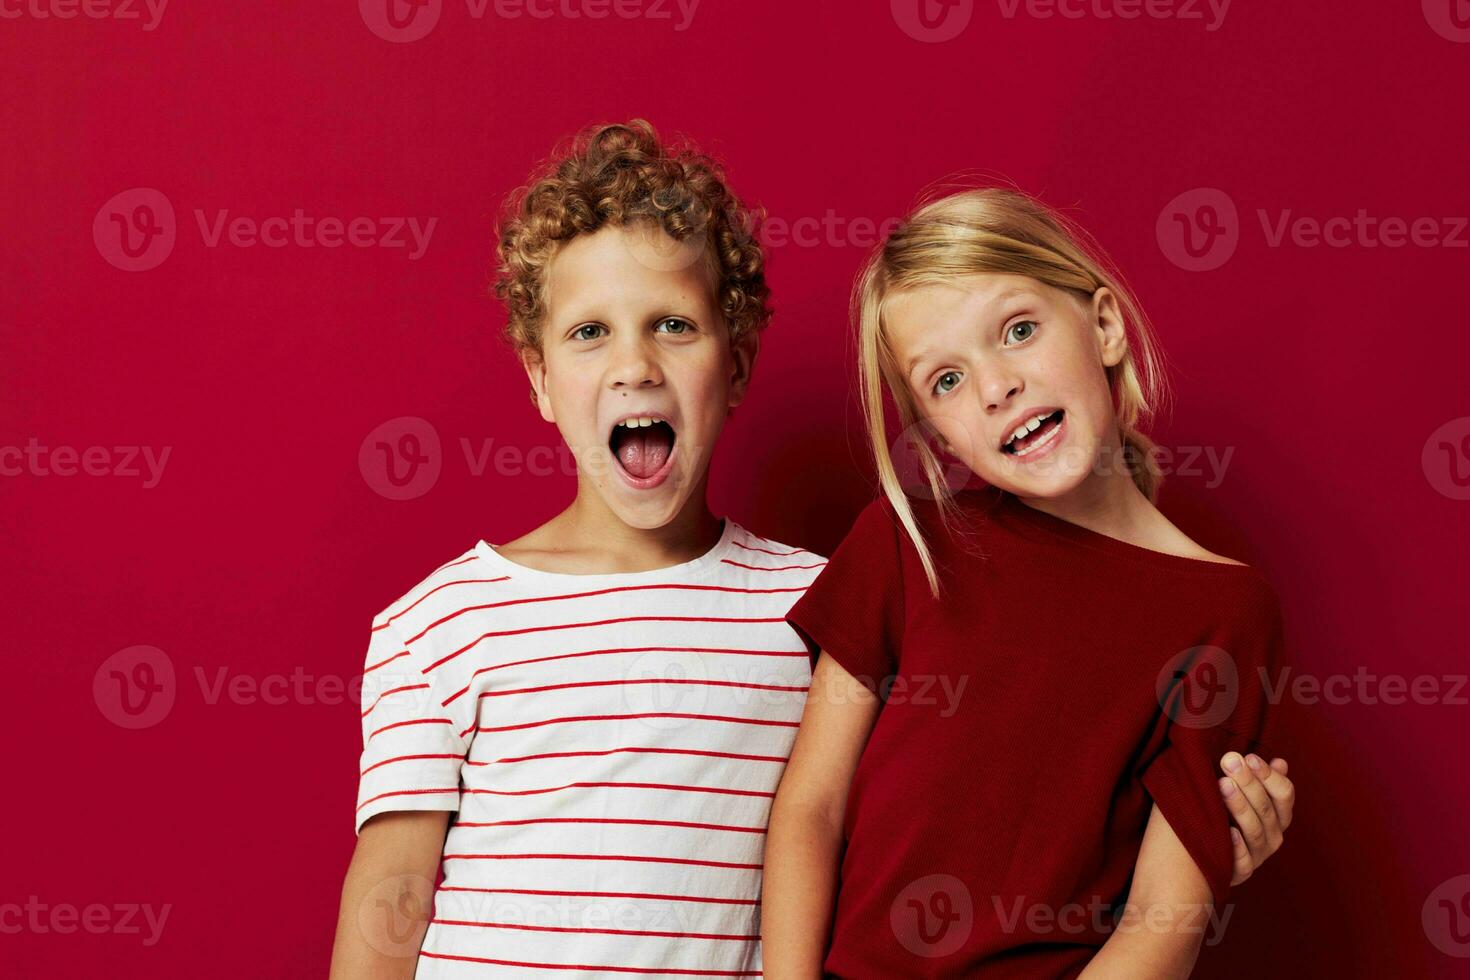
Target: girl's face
column 993, row 355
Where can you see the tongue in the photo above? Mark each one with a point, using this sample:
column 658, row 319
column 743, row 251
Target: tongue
column 644, row 451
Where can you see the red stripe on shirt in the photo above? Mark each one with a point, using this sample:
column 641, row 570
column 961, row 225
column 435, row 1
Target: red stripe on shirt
column 596, row 592
column 770, row 568
column 649, row 895
column 633, row 748
column 588, row 966
column 646, row 714
column 642, row 858
column 675, row 787
column 610, row 650
column 614, row 820
column 603, row 622
column 600, row 932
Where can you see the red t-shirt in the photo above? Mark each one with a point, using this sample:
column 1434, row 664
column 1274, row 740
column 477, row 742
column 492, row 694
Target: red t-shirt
column 1066, row 682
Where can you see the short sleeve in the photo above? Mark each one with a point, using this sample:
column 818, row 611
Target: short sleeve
column 1214, row 699
column 855, row 608
column 415, row 732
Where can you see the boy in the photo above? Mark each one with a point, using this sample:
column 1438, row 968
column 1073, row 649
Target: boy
column 607, row 703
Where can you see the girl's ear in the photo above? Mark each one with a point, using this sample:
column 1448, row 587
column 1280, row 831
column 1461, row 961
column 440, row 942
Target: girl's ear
column 1108, row 320
column 535, row 367
column 743, row 353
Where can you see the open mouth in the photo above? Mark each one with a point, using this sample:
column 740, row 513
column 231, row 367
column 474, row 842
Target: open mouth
column 1034, row 433
column 642, row 445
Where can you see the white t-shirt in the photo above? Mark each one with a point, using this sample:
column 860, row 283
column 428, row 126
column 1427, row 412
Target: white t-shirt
column 612, row 744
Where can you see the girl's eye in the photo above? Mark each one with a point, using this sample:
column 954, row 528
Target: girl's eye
column 581, row 332
column 675, row 325
column 946, row 382
column 1021, row 330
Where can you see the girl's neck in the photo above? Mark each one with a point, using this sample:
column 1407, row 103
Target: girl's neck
column 1109, row 503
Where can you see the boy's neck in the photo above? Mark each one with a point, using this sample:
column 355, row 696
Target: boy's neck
column 591, row 529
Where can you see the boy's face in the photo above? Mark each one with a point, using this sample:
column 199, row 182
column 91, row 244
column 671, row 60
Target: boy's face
column 626, row 337
column 986, row 356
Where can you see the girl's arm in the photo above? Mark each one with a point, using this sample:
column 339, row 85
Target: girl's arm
column 388, row 895
column 804, row 841
column 1168, row 911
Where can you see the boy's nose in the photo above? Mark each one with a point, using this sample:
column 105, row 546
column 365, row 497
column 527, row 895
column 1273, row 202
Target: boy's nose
column 635, row 368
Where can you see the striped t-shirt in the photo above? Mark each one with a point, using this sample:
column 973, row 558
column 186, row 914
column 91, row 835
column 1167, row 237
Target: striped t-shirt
column 611, row 744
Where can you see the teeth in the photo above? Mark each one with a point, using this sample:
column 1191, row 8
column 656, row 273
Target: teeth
column 638, row 422
column 1044, row 440
column 1030, row 425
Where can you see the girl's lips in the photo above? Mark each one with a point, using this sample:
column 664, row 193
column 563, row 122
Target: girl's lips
column 1043, row 449
column 650, row 482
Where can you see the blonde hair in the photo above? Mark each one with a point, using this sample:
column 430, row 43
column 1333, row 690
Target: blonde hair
column 992, row 230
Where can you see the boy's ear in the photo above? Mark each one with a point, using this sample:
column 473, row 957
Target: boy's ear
column 1112, row 335
column 743, row 353
column 536, row 371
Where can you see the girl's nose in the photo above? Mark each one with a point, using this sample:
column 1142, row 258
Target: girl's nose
column 999, row 389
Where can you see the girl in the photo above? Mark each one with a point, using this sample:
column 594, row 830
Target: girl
column 1021, row 689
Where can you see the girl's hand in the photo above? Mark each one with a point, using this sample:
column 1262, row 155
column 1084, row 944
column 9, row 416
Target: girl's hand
column 1260, row 799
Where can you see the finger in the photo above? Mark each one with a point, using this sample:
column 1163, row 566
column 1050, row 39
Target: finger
column 1251, row 778
column 1281, row 789
column 1260, row 827
column 1244, row 864
column 1247, row 822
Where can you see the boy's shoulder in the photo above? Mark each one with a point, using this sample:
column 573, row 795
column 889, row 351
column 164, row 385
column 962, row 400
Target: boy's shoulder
column 463, row 569
column 745, row 541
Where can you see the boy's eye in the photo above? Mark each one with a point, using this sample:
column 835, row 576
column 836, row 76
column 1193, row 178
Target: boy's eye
column 675, row 325
column 581, row 333
column 1021, row 330
column 946, row 382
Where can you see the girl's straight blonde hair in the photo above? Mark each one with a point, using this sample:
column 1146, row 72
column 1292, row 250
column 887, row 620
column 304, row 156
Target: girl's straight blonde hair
column 991, row 230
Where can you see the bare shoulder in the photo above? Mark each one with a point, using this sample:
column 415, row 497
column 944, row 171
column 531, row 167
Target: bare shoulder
column 1172, row 540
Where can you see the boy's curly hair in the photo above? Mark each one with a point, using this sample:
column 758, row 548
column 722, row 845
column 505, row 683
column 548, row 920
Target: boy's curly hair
column 615, row 175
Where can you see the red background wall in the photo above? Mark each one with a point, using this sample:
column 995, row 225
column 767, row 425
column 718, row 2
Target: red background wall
column 263, row 549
